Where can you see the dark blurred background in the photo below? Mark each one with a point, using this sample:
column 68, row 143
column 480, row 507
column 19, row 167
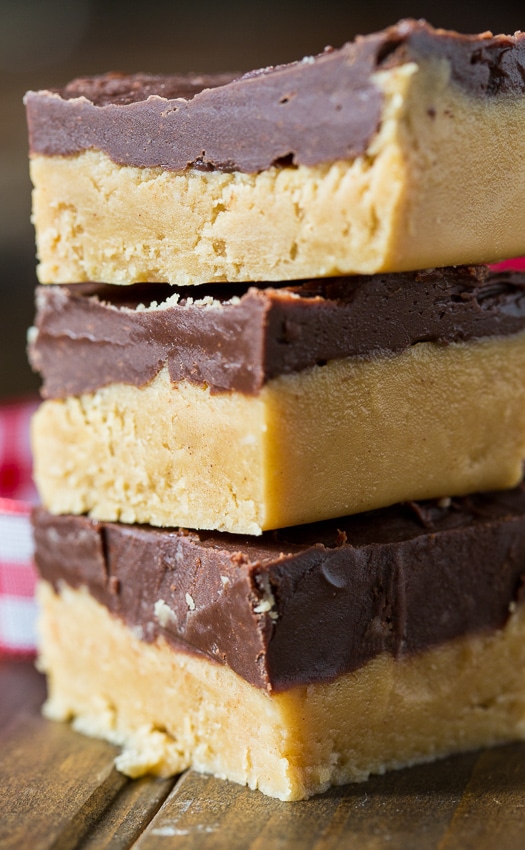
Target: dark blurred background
column 48, row 42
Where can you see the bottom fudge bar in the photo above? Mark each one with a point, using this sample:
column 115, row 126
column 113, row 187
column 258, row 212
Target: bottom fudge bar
column 305, row 658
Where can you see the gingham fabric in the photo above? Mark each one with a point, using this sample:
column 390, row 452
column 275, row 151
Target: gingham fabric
column 17, row 495
column 511, row 265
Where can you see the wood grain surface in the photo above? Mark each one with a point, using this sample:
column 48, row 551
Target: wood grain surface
column 59, row 790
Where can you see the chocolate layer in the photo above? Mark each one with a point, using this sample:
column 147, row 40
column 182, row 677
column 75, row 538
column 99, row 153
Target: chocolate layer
column 320, row 109
column 88, row 337
column 305, row 604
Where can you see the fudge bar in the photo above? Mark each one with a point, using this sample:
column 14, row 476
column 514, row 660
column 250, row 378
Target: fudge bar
column 402, row 150
column 255, row 408
column 308, row 657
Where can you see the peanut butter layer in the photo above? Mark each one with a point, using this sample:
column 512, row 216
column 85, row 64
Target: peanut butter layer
column 350, row 436
column 170, row 710
column 401, row 580
column 87, row 336
column 386, row 155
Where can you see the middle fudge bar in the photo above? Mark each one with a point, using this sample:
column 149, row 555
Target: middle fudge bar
column 263, row 408
column 308, row 657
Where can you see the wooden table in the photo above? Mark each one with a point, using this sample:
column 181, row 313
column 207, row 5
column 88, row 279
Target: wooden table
column 60, row 790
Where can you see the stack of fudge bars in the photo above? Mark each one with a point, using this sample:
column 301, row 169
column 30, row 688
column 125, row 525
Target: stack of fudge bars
column 282, row 532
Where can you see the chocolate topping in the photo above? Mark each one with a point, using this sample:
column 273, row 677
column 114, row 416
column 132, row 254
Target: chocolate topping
column 305, row 604
column 88, row 337
column 320, row 109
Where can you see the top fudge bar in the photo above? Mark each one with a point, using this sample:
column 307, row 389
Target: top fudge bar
column 383, row 155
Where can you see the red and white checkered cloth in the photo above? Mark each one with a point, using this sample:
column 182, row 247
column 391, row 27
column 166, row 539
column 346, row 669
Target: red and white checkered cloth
column 510, row 265
column 17, row 495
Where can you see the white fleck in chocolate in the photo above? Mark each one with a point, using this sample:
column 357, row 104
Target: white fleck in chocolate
column 263, row 607
column 267, row 603
column 164, row 613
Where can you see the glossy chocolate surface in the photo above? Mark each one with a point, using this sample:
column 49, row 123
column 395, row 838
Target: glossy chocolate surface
column 304, row 604
column 238, row 337
column 317, row 110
